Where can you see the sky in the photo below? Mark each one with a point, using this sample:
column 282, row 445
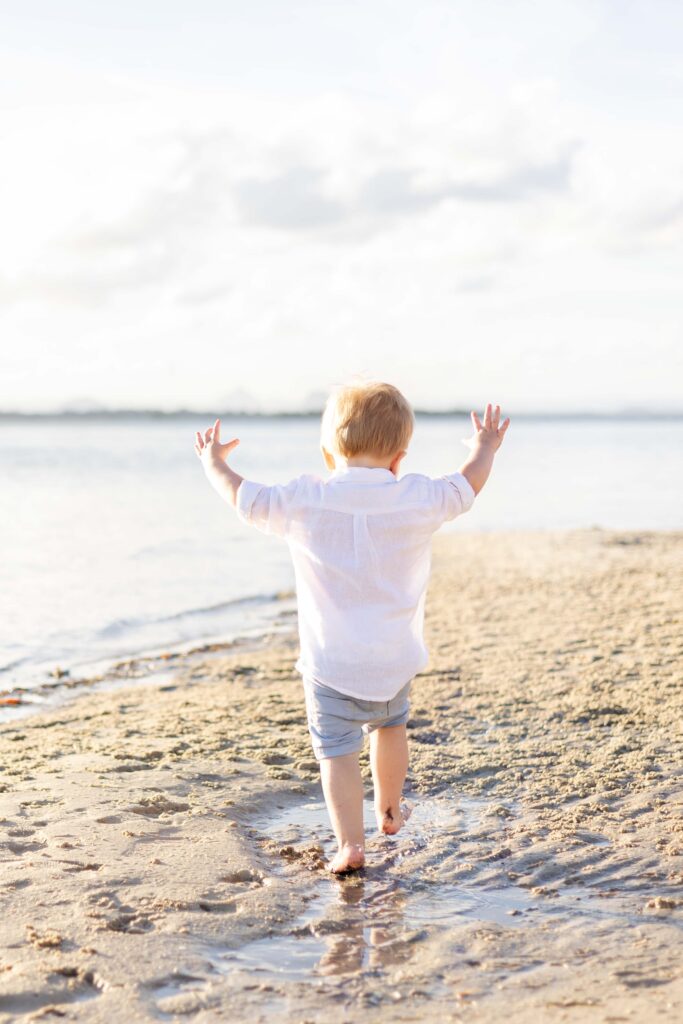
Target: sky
column 222, row 205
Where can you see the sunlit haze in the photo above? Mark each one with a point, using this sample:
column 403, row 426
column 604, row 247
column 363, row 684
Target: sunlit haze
column 219, row 205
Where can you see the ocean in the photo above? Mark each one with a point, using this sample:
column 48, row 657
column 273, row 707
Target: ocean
column 113, row 543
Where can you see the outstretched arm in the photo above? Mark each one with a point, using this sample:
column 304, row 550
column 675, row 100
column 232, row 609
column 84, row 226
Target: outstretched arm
column 484, row 445
column 213, row 455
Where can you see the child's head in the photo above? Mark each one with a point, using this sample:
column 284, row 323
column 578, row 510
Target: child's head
column 369, row 420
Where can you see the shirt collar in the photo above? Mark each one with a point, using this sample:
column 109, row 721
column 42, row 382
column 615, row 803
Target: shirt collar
column 374, row 474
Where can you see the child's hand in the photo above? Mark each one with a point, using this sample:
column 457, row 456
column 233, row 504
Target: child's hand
column 490, row 434
column 209, row 446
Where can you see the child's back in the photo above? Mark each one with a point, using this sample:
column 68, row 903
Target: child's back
column 360, row 543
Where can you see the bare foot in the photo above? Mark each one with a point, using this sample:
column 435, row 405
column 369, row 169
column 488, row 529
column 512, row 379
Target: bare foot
column 391, row 820
column 351, row 857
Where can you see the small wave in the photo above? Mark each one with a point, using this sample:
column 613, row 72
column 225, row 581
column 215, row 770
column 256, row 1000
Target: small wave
column 119, row 626
column 13, row 664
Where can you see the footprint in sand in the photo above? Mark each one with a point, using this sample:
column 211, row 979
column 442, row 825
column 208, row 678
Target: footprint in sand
column 76, row 865
column 20, row 848
column 217, row 906
column 180, row 994
column 17, row 883
column 132, row 923
column 81, row 985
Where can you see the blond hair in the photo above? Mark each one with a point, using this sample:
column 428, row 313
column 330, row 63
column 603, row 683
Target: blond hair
column 368, row 418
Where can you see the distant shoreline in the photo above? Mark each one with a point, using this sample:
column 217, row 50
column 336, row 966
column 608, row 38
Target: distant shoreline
column 113, row 415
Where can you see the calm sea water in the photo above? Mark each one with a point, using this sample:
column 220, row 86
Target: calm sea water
column 113, row 543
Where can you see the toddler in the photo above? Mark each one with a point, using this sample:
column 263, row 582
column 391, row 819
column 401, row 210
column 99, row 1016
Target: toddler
column 360, row 542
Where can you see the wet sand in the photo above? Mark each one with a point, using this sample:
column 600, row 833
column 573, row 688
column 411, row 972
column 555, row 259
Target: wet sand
column 163, row 845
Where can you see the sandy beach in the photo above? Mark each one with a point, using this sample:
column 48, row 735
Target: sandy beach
column 163, row 843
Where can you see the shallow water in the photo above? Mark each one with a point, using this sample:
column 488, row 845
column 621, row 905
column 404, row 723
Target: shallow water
column 109, row 550
column 370, row 922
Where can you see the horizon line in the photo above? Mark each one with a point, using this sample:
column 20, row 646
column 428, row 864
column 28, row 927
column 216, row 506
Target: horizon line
column 625, row 412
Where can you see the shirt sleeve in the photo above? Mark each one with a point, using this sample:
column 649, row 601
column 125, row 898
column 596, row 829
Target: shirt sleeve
column 453, row 495
column 268, row 508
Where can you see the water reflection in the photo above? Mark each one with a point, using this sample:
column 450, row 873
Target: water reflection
column 365, row 928
column 371, row 921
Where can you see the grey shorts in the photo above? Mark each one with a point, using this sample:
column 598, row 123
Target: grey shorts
column 337, row 722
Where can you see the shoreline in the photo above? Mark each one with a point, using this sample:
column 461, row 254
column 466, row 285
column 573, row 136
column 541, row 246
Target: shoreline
column 116, row 670
column 163, row 845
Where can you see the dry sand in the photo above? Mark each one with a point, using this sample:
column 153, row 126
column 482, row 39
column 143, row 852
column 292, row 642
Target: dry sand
column 163, row 845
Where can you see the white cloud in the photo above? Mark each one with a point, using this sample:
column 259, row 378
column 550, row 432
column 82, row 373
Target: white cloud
column 472, row 219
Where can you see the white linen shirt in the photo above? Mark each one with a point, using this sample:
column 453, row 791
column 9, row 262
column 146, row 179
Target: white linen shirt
column 360, row 542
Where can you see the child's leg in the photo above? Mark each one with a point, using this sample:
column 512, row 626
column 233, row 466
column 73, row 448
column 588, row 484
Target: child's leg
column 343, row 789
column 389, row 763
